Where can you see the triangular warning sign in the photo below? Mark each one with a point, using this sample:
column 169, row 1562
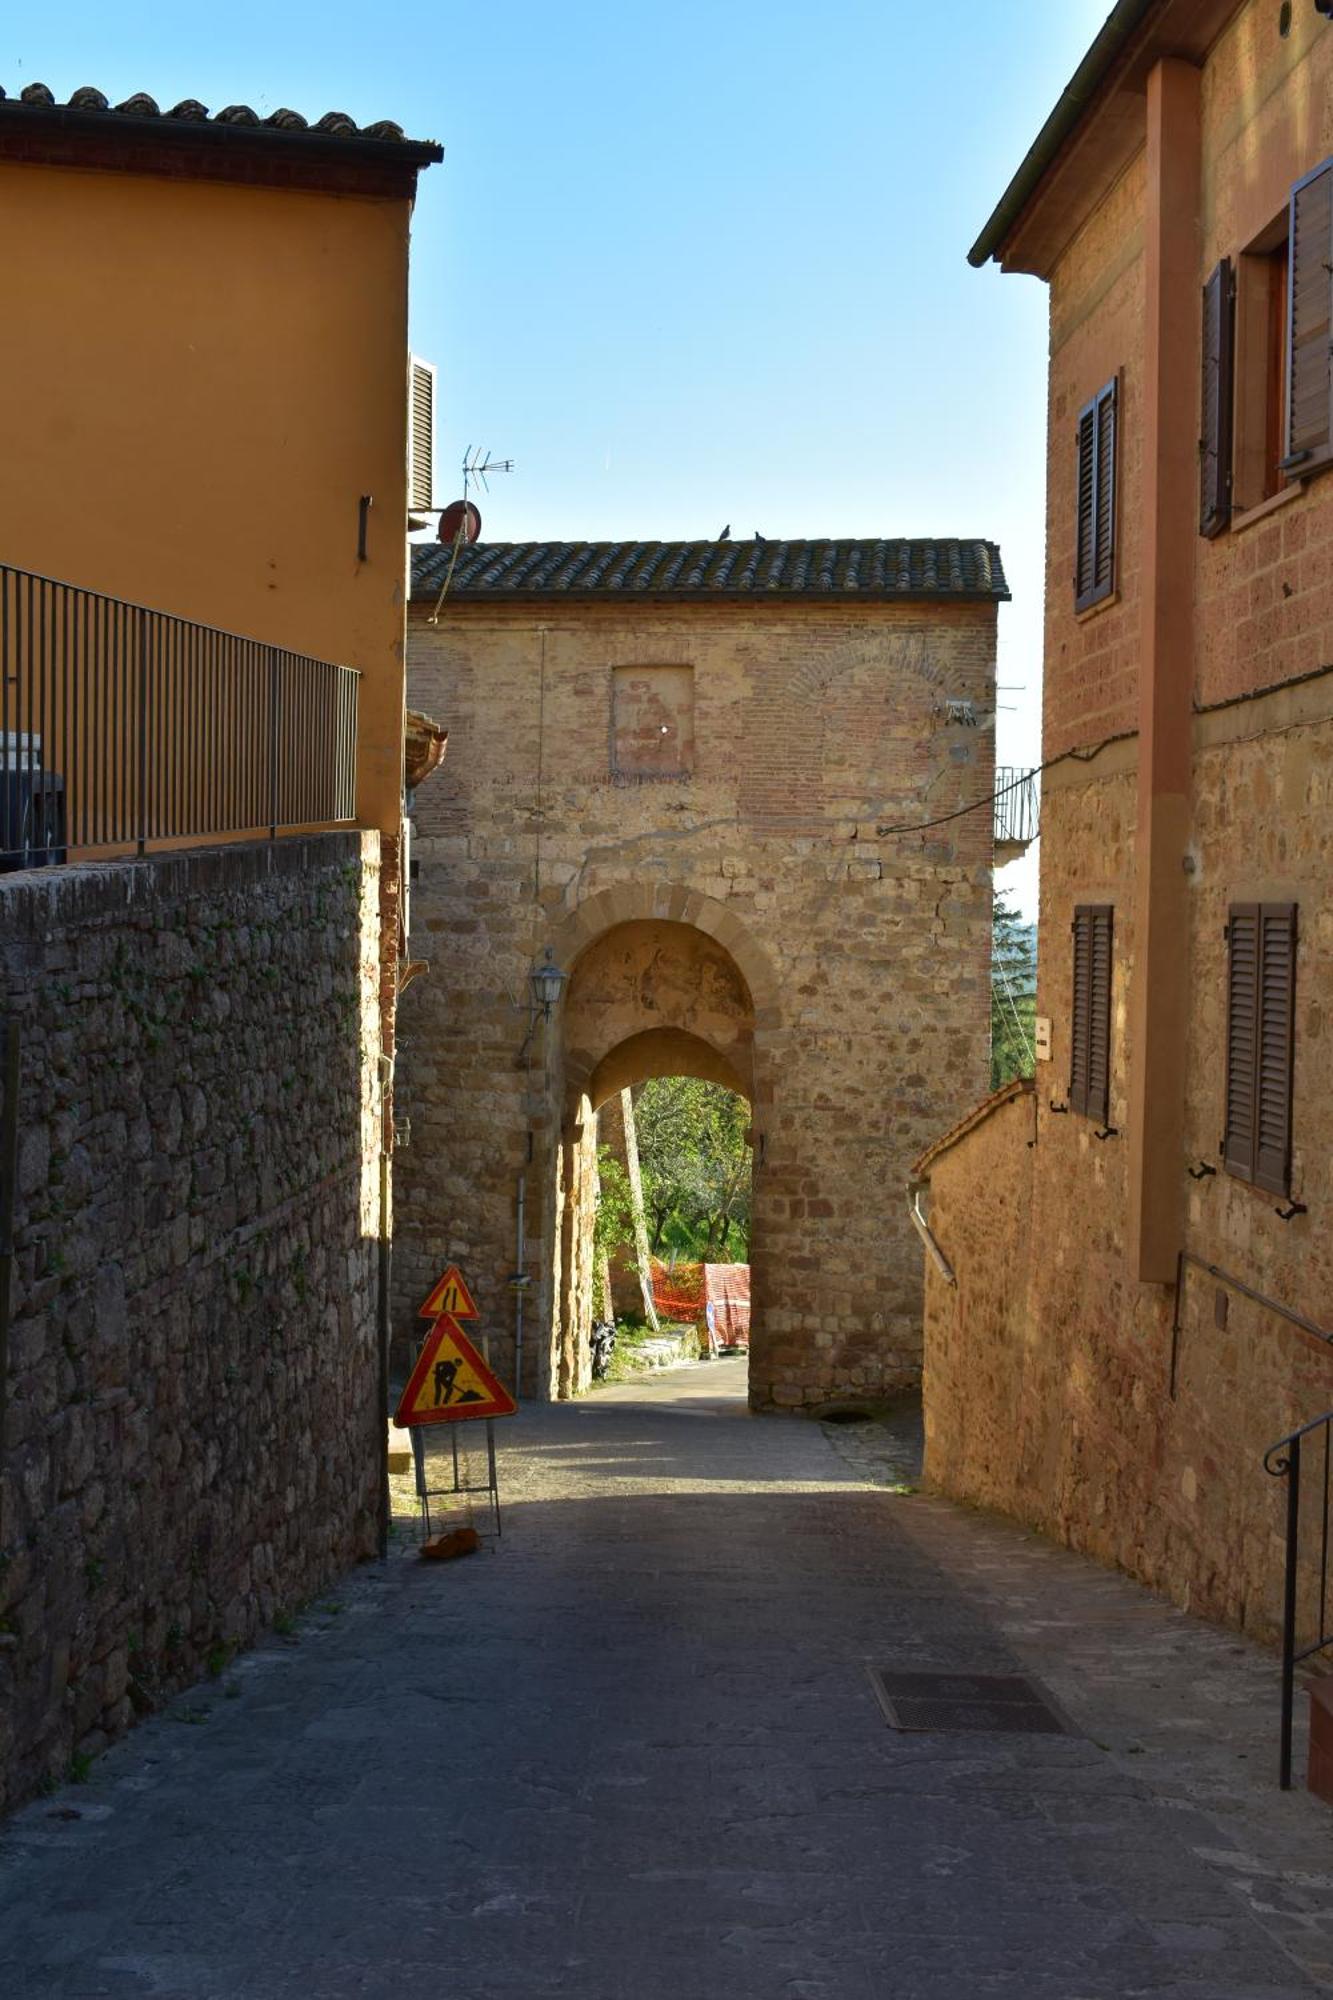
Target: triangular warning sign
column 451, row 1382
column 451, row 1296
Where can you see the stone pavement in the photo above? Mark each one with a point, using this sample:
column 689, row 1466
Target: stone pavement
column 633, row 1754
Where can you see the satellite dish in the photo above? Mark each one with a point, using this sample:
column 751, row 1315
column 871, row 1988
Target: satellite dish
column 460, row 522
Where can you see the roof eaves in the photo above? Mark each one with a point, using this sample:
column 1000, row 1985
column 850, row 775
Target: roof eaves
column 1120, row 26
column 1021, row 1086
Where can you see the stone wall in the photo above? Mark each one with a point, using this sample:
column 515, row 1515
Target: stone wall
column 191, row 1443
column 1048, row 1368
column 775, row 913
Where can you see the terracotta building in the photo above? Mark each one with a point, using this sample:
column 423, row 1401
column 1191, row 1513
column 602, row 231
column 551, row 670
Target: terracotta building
column 1125, row 1254
column 740, row 792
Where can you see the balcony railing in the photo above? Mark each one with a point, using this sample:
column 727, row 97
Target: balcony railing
column 1017, row 805
column 122, row 727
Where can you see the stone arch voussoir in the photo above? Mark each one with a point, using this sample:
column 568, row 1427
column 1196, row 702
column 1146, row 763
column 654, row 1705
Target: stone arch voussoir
column 636, row 902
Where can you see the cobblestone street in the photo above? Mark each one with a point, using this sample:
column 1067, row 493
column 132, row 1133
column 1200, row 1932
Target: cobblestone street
column 633, row 1753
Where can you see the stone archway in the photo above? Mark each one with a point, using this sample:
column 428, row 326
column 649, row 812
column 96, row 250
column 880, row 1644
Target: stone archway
column 648, row 995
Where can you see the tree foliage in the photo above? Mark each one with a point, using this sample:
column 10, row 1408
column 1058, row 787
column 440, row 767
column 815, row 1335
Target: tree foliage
column 613, row 1221
column 696, row 1168
column 1013, row 996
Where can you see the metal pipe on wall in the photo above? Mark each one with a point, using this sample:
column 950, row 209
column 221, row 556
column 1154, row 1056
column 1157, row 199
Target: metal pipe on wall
column 519, row 1275
column 9, row 1160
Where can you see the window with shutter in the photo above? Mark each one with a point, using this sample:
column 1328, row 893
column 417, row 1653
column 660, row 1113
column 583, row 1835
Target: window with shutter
column 1261, row 1002
column 1219, row 320
column 1094, row 563
column 1310, row 321
column 421, row 435
column 1090, row 1027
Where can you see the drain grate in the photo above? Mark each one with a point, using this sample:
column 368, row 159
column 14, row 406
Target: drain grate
column 1009, row 1704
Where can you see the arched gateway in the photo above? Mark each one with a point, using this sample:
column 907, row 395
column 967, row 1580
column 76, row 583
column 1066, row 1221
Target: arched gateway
column 723, row 807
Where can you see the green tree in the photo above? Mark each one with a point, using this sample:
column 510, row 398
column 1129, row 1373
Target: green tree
column 612, row 1225
column 696, row 1166
column 1013, row 1002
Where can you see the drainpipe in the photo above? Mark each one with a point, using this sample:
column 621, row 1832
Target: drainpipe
column 383, row 1293
column 1159, row 994
column 915, row 1190
column 9, row 1165
column 519, row 1288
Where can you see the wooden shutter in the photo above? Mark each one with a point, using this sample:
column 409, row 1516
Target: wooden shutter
column 421, row 435
column 1310, row 320
column 1087, row 505
column 1094, row 565
column 1090, row 1028
column 1242, row 1038
column 1219, row 346
column 1261, row 1013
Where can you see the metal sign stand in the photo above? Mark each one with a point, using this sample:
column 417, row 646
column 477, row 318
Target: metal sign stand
column 426, row 1492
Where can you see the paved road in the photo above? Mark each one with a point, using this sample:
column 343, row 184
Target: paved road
column 634, row 1755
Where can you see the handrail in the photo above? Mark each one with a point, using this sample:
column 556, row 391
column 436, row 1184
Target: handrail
column 1283, row 1461
column 927, row 1234
column 121, row 727
column 1288, row 1313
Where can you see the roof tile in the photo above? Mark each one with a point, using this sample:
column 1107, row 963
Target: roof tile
column 870, row 569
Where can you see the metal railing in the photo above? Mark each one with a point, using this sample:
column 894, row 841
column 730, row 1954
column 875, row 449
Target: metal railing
column 1284, row 1461
column 121, row 726
column 1017, row 805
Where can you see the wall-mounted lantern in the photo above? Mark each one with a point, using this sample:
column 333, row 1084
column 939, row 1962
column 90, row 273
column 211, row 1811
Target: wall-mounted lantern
column 547, row 982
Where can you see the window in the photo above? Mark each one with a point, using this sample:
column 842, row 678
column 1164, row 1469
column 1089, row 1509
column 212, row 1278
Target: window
column 1218, row 346
column 1260, row 368
column 1094, row 562
column 1261, row 998
column 1283, row 397
column 1090, row 1036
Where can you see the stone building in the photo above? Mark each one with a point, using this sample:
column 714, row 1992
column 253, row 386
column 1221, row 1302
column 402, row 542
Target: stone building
column 1174, row 1156
column 201, row 709
column 741, row 794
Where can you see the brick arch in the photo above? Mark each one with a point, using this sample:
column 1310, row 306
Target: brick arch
column 636, row 902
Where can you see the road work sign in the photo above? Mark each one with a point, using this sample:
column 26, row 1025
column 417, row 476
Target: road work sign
column 451, row 1296
column 451, row 1382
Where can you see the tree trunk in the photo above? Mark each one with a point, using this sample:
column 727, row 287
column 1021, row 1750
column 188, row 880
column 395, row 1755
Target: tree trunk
column 641, row 1256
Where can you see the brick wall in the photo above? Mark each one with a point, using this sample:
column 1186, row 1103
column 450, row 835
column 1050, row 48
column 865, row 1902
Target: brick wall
column 864, row 953
column 1048, row 1369
column 191, row 1442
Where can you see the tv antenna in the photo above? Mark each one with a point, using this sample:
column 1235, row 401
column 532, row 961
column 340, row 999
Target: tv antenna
column 460, row 522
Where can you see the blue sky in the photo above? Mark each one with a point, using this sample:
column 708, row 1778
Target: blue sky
column 687, row 266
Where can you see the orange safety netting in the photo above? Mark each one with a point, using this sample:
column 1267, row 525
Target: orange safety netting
column 678, row 1293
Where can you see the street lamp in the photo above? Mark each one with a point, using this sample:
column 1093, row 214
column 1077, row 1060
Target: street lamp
column 546, row 981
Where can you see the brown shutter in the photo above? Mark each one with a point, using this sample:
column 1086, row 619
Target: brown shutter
column 1104, row 569
column 1219, row 322
column 1277, row 1003
column 1242, row 1038
column 1094, row 562
column 1261, row 1014
column 1310, row 320
column 1090, row 1025
column 1099, row 1016
column 1079, row 1017
column 1086, row 530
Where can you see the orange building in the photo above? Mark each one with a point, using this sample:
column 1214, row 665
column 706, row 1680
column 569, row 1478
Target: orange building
column 208, row 399
column 1134, row 1259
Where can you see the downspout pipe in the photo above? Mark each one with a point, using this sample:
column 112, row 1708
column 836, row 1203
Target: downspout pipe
column 915, row 1190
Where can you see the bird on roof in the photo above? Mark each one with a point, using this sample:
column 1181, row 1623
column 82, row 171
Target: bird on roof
column 725, row 536
column 758, row 537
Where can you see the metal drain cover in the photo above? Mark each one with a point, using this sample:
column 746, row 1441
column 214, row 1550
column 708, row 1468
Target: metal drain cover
column 1004, row 1703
